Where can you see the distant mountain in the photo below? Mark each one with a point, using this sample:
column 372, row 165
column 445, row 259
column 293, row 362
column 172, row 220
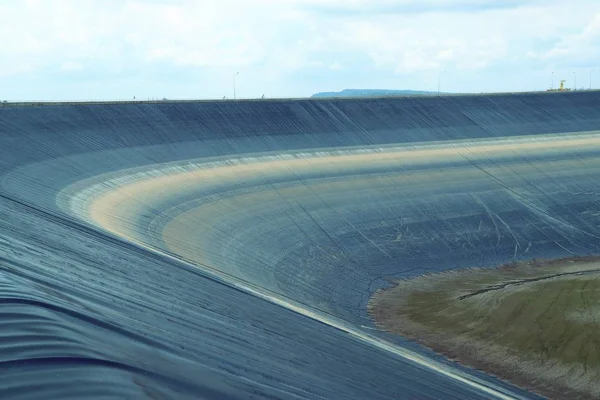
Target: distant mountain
column 373, row 93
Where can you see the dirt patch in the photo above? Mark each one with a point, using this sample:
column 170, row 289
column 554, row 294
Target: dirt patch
column 531, row 323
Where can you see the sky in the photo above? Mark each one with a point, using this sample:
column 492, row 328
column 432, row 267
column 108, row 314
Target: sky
column 188, row 49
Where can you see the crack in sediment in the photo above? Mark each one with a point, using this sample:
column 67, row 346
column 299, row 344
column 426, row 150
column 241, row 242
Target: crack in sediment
column 525, row 281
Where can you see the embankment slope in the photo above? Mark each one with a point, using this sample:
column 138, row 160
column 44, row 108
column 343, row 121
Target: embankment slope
column 318, row 201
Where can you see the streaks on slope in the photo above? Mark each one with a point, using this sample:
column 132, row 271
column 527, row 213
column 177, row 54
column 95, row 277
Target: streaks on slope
column 249, row 346
column 259, row 218
column 216, row 228
column 102, row 211
column 89, row 316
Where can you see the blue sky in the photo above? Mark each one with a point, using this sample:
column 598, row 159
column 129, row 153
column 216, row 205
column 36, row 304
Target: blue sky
column 117, row 49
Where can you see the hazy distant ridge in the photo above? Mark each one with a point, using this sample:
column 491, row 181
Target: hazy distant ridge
column 372, row 92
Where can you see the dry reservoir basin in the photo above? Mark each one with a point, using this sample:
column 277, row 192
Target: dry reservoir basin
column 229, row 249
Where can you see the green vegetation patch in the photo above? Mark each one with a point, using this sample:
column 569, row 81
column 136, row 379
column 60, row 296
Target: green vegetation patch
column 536, row 324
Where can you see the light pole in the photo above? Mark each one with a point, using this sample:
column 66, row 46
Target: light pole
column 574, row 80
column 591, row 72
column 234, row 75
column 552, row 85
column 440, row 80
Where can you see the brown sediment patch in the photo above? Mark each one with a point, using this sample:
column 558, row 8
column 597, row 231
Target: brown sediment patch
column 535, row 324
column 104, row 208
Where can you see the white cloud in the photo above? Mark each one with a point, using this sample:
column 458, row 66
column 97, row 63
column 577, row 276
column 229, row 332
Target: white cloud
column 582, row 45
column 286, row 47
column 71, row 66
column 336, row 66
